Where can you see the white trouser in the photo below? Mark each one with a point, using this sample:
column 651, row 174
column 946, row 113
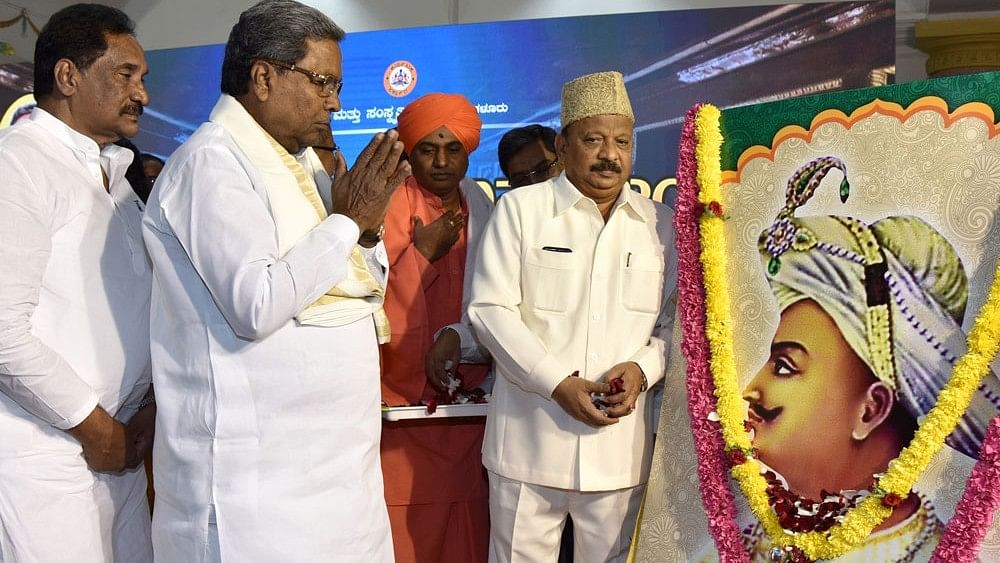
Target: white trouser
column 526, row 522
column 53, row 509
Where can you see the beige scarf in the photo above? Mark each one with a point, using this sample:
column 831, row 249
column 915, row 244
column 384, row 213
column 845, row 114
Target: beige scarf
column 296, row 208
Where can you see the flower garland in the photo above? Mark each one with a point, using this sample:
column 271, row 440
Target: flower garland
column 974, row 513
column 902, row 473
column 709, row 446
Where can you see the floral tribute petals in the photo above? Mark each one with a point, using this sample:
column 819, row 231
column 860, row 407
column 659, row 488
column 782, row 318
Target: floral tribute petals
column 617, row 385
column 892, row 500
column 974, row 514
column 720, row 506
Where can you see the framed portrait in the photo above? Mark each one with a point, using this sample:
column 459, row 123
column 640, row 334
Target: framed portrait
column 832, row 381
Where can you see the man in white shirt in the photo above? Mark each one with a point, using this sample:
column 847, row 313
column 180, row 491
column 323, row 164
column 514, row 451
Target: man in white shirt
column 572, row 295
column 267, row 314
column 74, row 303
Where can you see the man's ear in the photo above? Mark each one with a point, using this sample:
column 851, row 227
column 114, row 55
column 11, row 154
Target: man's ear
column 261, row 75
column 560, row 147
column 66, row 77
column 877, row 406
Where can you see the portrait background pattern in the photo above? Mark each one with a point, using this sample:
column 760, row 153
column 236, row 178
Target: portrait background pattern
column 906, row 154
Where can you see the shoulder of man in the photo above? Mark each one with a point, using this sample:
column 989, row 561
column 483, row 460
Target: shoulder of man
column 474, row 193
column 23, row 148
column 662, row 216
column 210, row 146
column 209, row 137
column 529, row 203
column 26, row 135
column 661, row 211
column 532, row 194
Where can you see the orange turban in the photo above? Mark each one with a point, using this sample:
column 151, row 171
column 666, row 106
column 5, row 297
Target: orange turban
column 427, row 113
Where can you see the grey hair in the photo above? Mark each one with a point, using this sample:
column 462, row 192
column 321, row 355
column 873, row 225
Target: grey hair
column 272, row 29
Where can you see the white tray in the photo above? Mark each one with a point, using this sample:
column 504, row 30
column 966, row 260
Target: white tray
column 393, row 414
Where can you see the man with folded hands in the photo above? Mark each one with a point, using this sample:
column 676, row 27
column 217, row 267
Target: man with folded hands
column 267, row 313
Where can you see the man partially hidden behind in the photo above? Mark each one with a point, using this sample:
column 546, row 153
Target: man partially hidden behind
column 74, row 303
column 435, row 486
column 267, row 314
column 572, row 295
column 527, row 155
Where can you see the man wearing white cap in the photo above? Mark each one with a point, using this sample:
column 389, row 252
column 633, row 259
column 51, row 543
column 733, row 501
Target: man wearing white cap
column 572, row 295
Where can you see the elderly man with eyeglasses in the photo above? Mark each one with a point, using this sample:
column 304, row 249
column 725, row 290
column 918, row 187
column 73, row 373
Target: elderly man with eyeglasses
column 267, row 314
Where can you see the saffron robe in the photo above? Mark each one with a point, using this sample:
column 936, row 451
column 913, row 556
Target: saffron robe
column 435, row 486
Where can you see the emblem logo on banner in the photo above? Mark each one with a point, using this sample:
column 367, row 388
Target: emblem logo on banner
column 400, row 78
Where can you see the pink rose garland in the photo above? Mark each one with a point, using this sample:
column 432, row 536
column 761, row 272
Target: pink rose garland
column 974, row 513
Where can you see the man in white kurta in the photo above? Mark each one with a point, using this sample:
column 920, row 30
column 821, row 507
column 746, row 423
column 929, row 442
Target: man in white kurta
column 268, row 441
column 74, row 306
column 574, row 289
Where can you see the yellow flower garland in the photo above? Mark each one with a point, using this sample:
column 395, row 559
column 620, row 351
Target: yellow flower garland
column 983, row 342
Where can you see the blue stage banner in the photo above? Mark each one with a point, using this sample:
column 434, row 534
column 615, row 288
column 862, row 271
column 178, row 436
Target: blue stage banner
column 514, row 72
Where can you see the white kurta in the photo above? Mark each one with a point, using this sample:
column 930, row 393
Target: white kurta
column 480, row 209
column 267, row 431
column 74, row 333
column 557, row 290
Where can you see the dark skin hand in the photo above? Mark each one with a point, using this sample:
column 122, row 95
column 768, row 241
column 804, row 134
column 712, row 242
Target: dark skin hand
column 444, row 350
column 105, row 444
column 573, row 394
column 436, row 239
column 139, row 433
column 362, row 193
column 623, row 403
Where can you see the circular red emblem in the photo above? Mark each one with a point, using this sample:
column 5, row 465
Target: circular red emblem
column 400, row 78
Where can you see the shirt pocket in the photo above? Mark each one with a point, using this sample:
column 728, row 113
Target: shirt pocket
column 547, row 276
column 642, row 282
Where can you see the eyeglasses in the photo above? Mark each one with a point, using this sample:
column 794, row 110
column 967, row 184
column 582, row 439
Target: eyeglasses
column 532, row 176
column 328, row 85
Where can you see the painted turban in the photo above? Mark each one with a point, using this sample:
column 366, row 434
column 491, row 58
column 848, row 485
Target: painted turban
column 426, row 114
column 896, row 289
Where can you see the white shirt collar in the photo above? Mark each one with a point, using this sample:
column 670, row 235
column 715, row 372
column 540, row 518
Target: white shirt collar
column 78, row 142
column 567, row 195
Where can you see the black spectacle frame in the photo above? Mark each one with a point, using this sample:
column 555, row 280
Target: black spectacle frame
column 328, row 85
column 533, row 176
